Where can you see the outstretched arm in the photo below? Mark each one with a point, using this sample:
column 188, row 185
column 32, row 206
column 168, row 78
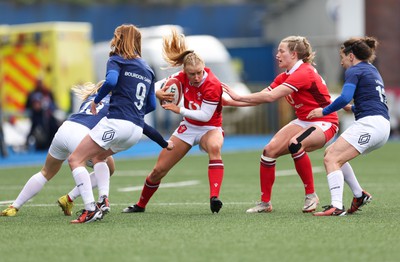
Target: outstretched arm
column 154, row 135
column 263, row 96
column 231, row 102
column 227, row 101
column 341, row 102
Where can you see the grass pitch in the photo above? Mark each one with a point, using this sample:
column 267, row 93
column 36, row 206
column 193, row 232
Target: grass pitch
column 178, row 224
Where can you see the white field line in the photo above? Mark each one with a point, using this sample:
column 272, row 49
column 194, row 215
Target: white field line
column 139, row 188
column 7, row 202
column 289, row 172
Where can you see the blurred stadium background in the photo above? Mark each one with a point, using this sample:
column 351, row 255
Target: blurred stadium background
column 55, row 42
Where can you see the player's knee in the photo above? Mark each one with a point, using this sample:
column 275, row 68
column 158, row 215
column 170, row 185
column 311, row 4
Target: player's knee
column 270, row 151
column 294, row 148
column 330, row 158
column 264, row 152
column 295, row 144
column 327, row 161
column 71, row 162
column 331, row 162
column 214, row 150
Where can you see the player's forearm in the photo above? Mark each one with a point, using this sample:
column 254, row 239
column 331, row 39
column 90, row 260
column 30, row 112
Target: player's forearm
column 204, row 114
column 154, row 135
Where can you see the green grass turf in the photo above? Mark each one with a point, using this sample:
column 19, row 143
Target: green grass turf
column 178, row 224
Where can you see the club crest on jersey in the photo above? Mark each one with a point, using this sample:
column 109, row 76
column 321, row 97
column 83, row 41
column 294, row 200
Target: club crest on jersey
column 181, row 129
column 364, row 139
column 186, row 89
column 108, row 135
column 199, row 96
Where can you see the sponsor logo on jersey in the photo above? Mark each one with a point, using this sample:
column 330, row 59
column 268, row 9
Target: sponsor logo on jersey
column 135, row 75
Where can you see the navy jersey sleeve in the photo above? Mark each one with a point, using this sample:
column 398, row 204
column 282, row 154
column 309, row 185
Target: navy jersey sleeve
column 340, row 102
column 154, row 135
column 111, row 80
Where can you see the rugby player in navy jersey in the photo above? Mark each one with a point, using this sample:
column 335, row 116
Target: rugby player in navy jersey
column 364, row 85
column 64, row 143
column 131, row 83
column 67, row 138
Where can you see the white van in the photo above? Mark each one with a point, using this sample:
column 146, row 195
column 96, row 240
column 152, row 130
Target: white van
column 210, row 49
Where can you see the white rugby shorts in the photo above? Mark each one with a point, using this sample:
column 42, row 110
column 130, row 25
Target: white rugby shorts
column 67, row 138
column 116, row 134
column 330, row 130
column 192, row 134
column 368, row 133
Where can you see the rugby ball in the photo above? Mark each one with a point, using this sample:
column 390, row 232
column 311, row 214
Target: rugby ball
column 174, row 86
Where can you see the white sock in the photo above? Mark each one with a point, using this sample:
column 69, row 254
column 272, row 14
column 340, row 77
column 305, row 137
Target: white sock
column 74, row 193
column 31, row 188
column 82, row 181
column 351, row 179
column 102, row 174
column 336, row 184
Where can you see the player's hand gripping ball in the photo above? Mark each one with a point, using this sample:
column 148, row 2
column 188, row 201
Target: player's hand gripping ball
column 173, row 86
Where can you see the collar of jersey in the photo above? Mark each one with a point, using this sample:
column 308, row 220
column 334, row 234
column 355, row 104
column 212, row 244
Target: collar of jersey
column 294, row 68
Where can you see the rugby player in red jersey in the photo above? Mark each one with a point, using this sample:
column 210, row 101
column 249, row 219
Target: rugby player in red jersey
column 201, row 124
column 305, row 90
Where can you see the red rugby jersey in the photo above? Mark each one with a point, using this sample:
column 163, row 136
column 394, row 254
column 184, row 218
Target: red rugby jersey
column 209, row 91
column 310, row 92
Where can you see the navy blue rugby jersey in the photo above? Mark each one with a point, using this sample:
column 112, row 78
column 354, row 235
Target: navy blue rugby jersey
column 85, row 117
column 369, row 96
column 131, row 82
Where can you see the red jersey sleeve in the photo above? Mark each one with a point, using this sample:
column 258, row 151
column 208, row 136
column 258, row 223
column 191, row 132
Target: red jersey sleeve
column 278, row 80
